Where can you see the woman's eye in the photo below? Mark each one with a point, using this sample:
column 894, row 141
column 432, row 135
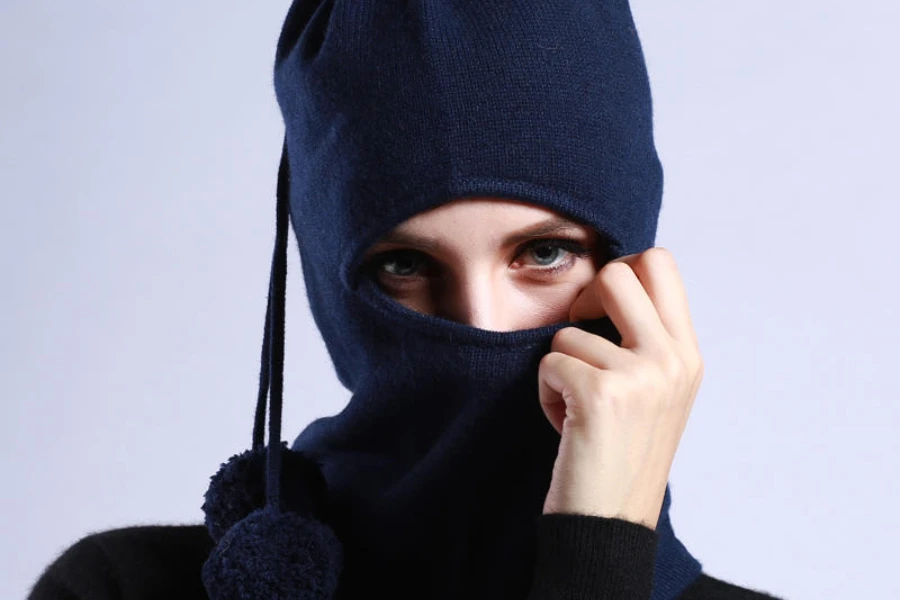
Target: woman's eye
column 547, row 254
column 400, row 264
column 554, row 253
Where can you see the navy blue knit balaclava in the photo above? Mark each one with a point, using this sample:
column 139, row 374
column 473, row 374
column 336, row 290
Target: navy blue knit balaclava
column 430, row 482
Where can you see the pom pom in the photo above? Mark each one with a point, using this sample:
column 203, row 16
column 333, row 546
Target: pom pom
column 239, row 488
column 274, row 555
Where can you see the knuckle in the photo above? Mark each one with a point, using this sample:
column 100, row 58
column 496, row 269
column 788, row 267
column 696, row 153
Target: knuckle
column 656, row 259
column 659, row 254
column 693, row 364
column 673, row 368
column 609, row 272
column 699, row 367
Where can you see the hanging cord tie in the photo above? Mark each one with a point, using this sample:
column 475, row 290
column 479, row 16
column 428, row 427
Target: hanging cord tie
column 261, row 506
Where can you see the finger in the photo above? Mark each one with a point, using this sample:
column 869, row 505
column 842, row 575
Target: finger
column 591, row 348
column 658, row 273
column 629, row 307
column 588, row 304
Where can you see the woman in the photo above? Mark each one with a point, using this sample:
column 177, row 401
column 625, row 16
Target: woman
column 474, row 191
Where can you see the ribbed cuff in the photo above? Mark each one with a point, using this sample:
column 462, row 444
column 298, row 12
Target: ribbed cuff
column 581, row 557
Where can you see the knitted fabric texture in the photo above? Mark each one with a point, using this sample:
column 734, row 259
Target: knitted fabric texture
column 438, row 466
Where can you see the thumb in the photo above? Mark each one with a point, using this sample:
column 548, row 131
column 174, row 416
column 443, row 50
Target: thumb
column 560, row 388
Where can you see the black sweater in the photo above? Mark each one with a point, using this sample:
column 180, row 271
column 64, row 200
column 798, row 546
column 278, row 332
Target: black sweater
column 579, row 558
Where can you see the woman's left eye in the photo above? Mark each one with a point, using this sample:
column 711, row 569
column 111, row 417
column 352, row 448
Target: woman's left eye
column 553, row 254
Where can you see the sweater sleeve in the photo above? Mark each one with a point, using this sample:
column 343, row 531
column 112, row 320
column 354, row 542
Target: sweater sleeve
column 581, row 557
column 132, row 563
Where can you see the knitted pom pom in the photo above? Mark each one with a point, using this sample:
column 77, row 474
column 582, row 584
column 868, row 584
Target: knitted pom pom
column 239, row 487
column 274, row 555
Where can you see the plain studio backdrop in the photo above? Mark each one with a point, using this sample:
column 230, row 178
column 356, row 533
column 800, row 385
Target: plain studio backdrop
column 139, row 146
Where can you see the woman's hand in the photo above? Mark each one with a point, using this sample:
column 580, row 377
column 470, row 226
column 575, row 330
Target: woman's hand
column 621, row 411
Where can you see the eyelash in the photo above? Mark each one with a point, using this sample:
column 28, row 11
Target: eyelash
column 572, row 247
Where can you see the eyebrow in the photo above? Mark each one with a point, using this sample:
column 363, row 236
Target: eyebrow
column 540, row 229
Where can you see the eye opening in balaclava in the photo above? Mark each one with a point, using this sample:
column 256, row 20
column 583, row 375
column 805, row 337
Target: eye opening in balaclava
column 358, row 280
column 367, row 287
column 352, row 268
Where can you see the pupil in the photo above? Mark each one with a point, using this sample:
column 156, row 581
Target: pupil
column 546, row 254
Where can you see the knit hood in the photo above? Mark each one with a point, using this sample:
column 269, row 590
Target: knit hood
column 430, row 482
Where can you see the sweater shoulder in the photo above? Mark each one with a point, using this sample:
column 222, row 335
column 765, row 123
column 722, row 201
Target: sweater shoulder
column 707, row 587
column 129, row 563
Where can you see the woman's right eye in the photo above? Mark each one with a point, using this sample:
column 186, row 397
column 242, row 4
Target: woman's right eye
column 399, row 263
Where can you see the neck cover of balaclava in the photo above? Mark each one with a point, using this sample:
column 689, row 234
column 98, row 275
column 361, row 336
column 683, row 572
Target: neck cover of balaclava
column 430, row 482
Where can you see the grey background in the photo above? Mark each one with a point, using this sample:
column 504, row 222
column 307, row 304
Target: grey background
column 139, row 144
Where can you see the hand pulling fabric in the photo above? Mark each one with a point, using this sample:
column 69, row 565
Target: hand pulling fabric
column 431, row 481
